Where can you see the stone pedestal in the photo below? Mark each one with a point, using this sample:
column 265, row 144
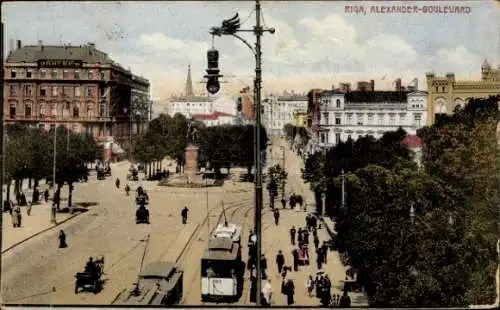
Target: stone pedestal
column 191, row 166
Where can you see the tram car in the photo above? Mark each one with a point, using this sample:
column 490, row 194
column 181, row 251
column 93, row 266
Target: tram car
column 222, row 271
column 160, row 284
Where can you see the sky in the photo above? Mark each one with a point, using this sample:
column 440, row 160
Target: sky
column 316, row 44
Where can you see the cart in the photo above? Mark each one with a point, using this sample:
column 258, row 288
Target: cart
column 92, row 280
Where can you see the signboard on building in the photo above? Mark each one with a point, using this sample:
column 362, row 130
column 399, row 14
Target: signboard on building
column 59, row 63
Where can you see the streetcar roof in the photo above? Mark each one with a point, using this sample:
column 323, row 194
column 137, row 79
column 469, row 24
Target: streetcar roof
column 232, row 231
column 221, row 249
column 158, row 269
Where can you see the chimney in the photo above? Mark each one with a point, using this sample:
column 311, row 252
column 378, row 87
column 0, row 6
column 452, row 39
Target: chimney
column 398, row 84
column 18, row 44
column 372, row 85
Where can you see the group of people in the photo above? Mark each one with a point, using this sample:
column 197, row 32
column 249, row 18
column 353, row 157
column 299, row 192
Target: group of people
column 293, row 200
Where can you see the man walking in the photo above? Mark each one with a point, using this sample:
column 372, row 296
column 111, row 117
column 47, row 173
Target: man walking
column 295, row 254
column 292, row 235
column 276, row 216
column 280, row 261
column 184, row 214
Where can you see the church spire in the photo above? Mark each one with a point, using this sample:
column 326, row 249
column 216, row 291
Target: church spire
column 189, row 84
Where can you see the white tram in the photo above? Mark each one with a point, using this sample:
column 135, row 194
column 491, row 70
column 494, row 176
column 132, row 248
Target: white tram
column 232, row 231
column 222, row 270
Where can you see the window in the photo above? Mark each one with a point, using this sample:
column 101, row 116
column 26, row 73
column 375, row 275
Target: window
column 42, row 110
column 392, row 119
column 442, row 88
column 29, row 74
column 77, row 75
column 12, row 110
column 54, row 109
column 66, row 105
column 28, row 91
column 54, row 91
column 437, row 89
column 325, row 116
column 90, row 91
column 337, row 138
column 27, row 110
column 370, row 118
column 337, row 121
column 417, row 119
column 77, row 91
column 52, row 127
column 102, row 75
column 102, row 110
column 76, row 111
column 13, row 74
column 65, row 74
column 323, row 140
column 349, row 119
column 402, row 118
column 43, row 91
column 43, row 74
column 54, row 74
column 338, row 103
column 381, row 119
column 13, row 90
column 360, row 117
column 90, row 108
column 90, row 75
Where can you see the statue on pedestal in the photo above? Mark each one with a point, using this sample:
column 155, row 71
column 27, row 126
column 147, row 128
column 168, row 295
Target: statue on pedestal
column 192, row 132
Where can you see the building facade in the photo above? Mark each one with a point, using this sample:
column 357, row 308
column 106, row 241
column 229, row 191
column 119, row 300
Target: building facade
column 359, row 113
column 79, row 87
column 281, row 110
column 216, row 119
column 446, row 93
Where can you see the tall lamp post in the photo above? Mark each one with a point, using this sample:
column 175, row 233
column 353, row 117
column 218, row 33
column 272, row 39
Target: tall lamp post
column 231, row 27
column 53, row 209
column 283, row 158
column 342, row 175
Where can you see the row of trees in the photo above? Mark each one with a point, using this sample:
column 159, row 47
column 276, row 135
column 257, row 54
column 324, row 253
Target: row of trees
column 297, row 134
column 419, row 237
column 29, row 154
column 222, row 146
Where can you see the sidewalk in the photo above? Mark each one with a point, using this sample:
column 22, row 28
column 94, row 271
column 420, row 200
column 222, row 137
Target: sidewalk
column 36, row 223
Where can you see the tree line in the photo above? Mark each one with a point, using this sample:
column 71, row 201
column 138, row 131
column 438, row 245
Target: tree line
column 223, row 146
column 419, row 237
column 296, row 134
column 29, row 154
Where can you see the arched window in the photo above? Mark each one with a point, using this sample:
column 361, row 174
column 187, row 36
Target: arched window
column 338, row 103
column 12, row 110
column 76, row 111
column 440, row 106
column 27, row 110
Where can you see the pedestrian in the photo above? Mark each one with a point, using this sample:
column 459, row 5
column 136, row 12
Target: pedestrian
column 289, row 292
column 283, row 203
column 295, row 254
column 184, row 214
column 310, row 285
column 117, row 183
column 62, row 240
column 28, row 208
column 315, row 232
column 267, row 293
column 318, row 284
column 319, row 259
column 316, row 242
column 324, row 251
column 292, row 235
column 253, row 288
column 46, row 195
column 280, row 260
column 276, row 216
column 127, row 189
column 263, row 266
column 345, row 300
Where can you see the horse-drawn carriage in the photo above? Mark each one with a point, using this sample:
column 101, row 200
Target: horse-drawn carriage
column 91, row 277
column 141, row 197
column 142, row 215
column 133, row 174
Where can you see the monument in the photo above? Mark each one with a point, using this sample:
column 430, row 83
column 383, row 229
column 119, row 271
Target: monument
column 190, row 176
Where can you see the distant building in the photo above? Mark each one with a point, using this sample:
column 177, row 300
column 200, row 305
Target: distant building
column 446, row 93
column 216, row 118
column 415, row 144
column 79, row 87
column 335, row 116
column 282, row 110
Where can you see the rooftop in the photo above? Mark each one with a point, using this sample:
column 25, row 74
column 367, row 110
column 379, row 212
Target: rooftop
column 376, row 96
column 292, row 98
column 84, row 53
column 412, row 141
column 212, row 116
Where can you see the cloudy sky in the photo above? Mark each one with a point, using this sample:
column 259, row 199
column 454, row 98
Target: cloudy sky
column 316, row 44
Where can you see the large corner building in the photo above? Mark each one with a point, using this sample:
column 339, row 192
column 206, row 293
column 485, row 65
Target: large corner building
column 79, row 87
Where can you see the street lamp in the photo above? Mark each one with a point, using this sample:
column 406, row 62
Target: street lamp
column 323, row 201
column 342, row 175
column 230, row 27
column 53, row 209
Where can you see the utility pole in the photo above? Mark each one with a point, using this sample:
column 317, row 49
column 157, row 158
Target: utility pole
column 231, row 27
column 342, row 175
column 53, row 209
column 283, row 167
column 1, row 144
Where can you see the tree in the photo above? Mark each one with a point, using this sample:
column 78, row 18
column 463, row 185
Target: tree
column 277, row 180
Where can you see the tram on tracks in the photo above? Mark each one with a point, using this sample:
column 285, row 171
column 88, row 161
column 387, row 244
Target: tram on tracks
column 222, row 268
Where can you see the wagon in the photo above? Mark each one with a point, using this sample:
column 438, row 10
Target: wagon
column 90, row 280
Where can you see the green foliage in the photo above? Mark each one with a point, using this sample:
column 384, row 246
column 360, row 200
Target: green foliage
column 428, row 261
column 293, row 132
column 277, row 179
